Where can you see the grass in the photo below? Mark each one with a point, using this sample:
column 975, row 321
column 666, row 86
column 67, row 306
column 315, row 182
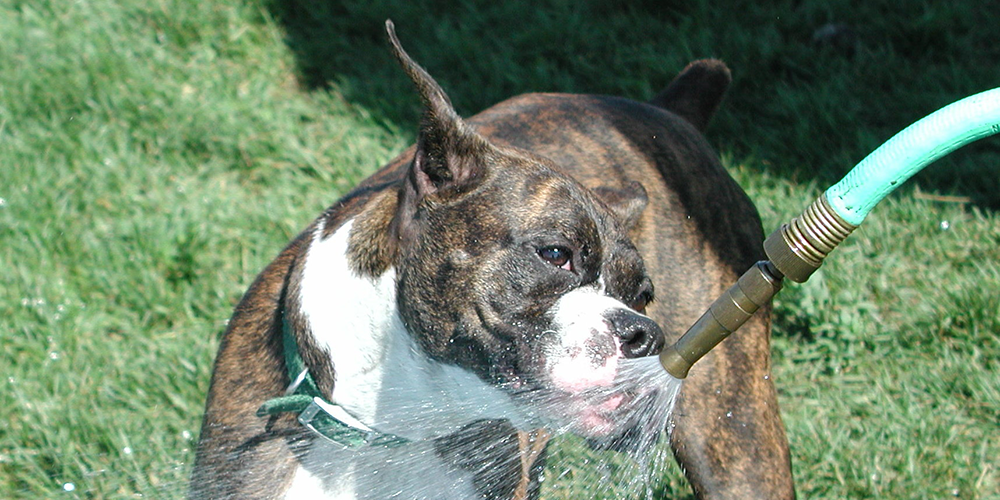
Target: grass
column 154, row 156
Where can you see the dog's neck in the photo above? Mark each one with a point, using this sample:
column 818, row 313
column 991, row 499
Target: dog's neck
column 382, row 376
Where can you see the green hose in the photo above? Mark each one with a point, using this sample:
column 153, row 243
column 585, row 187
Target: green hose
column 797, row 249
column 911, row 150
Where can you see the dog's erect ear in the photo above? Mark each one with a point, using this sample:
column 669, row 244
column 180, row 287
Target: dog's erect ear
column 626, row 203
column 695, row 94
column 449, row 155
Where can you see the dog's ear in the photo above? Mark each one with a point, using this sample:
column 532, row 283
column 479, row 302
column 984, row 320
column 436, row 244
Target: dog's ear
column 627, row 203
column 449, row 155
column 695, row 94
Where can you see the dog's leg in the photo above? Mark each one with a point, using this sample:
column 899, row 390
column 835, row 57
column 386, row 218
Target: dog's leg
column 531, row 444
column 729, row 434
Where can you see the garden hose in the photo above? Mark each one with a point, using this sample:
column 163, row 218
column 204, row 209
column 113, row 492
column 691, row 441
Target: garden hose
column 797, row 249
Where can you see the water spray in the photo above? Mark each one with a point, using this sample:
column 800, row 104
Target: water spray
column 797, row 249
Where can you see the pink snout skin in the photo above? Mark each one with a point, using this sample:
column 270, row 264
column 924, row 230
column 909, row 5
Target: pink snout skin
column 580, row 370
column 586, row 373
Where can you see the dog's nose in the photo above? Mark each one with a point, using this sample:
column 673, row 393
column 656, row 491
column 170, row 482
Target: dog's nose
column 640, row 335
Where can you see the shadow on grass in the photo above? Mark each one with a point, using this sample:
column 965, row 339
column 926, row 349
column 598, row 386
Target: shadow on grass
column 481, row 52
column 817, row 84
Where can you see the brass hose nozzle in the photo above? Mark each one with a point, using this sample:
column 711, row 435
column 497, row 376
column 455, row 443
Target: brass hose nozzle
column 795, row 250
column 723, row 317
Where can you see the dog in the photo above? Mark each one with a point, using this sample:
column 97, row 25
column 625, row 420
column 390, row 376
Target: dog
column 428, row 332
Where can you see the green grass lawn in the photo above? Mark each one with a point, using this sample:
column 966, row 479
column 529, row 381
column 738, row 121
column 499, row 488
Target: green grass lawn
column 154, row 156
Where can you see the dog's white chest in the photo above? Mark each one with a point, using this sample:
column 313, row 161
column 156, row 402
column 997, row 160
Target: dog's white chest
column 382, row 377
column 384, row 380
column 411, row 472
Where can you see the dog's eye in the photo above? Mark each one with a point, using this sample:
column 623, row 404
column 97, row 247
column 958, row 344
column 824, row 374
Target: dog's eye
column 560, row 257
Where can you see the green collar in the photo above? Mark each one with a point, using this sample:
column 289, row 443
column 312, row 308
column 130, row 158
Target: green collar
column 327, row 419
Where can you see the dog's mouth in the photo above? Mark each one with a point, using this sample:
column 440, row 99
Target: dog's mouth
column 609, row 414
column 595, row 415
column 629, row 416
column 587, row 388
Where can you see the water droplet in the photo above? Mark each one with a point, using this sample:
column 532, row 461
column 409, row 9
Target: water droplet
column 68, row 487
column 944, row 225
column 127, row 450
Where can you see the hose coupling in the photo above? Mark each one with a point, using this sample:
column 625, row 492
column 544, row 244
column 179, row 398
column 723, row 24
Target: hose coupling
column 798, row 248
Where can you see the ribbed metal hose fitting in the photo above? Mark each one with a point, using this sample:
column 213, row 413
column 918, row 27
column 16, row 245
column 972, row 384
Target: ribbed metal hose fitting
column 798, row 248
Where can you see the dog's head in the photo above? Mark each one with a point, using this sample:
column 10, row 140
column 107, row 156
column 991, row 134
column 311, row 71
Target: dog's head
column 512, row 270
